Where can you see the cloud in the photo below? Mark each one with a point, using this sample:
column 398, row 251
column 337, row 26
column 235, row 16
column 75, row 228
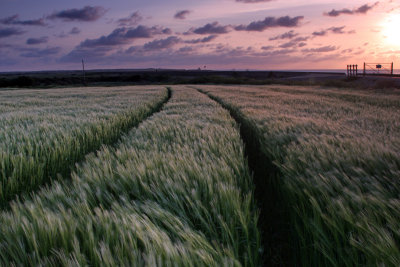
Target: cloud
column 40, row 40
column 360, row 10
column 323, row 49
column 132, row 20
column 125, row 35
column 202, row 40
column 13, row 20
column 88, row 13
column 92, row 54
column 162, row 43
column 75, row 30
column 286, row 35
column 7, row 32
column 212, row 28
column 37, row 53
column 182, row 14
column 335, row 30
column 253, row 1
column 296, row 42
column 270, row 22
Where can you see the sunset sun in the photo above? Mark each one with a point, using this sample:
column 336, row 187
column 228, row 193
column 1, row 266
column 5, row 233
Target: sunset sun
column 391, row 30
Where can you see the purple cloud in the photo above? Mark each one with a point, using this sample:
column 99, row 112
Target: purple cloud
column 37, row 53
column 253, row 1
column 125, row 35
column 92, row 53
column 40, row 40
column 162, row 43
column 336, row 30
column 132, row 20
column 270, row 22
column 88, row 13
column 182, row 14
column 286, row 35
column 323, row 49
column 202, row 40
column 212, row 28
column 361, row 10
column 75, row 30
column 296, row 42
column 7, row 32
column 13, row 20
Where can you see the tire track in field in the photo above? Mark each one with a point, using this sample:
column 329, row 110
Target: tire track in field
column 273, row 220
column 5, row 205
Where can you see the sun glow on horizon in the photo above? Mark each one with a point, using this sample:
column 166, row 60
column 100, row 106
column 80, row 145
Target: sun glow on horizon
column 391, row 30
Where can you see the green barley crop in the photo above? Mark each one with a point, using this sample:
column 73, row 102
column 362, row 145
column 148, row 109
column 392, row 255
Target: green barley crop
column 44, row 132
column 176, row 191
column 338, row 158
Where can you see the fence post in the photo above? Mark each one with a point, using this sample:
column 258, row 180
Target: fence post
column 391, row 69
column 364, row 70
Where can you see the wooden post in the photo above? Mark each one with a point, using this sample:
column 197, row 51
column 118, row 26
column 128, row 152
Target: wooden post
column 356, row 70
column 391, row 69
column 364, row 70
column 83, row 71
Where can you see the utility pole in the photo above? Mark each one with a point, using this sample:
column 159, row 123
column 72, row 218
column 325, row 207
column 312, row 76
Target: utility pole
column 83, row 71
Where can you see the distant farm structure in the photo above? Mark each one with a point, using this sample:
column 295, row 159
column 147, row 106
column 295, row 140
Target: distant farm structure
column 380, row 69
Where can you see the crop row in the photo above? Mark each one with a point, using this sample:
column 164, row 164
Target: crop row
column 176, row 191
column 45, row 132
column 337, row 157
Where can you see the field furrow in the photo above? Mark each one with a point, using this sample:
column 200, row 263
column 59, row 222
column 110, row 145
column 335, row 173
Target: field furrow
column 176, row 190
column 336, row 170
column 45, row 132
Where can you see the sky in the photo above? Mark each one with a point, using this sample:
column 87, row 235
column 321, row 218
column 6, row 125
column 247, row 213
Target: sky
column 191, row 34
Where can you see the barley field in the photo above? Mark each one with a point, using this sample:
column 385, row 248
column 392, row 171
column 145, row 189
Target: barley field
column 337, row 159
column 200, row 175
column 44, row 132
column 176, row 190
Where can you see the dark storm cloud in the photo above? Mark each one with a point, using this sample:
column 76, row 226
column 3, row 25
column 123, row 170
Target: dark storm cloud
column 7, row 32
column 75, row 30
column 36, row 53
column 345, row 11
column 202, row 40
column 132, row 20
column 328, row 48
column 270, row 22
column 13, row 20
column 88, row 13
column 34, row 41
column 125, row 35
column 286, row 35
column 182, row 14
column 336, row 30
column 212, row 28
column 162, row 43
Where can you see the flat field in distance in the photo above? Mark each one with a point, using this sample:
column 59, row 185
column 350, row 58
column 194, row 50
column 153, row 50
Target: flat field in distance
column 335, row 158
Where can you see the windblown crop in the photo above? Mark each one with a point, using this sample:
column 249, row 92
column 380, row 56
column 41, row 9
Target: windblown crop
column 338, row 159
column 176, row 191
column 45, row 132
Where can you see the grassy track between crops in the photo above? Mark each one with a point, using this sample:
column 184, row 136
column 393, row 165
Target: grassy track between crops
column 273, row 222
column 45, row 132
column 175, row 191
column 337, row 155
